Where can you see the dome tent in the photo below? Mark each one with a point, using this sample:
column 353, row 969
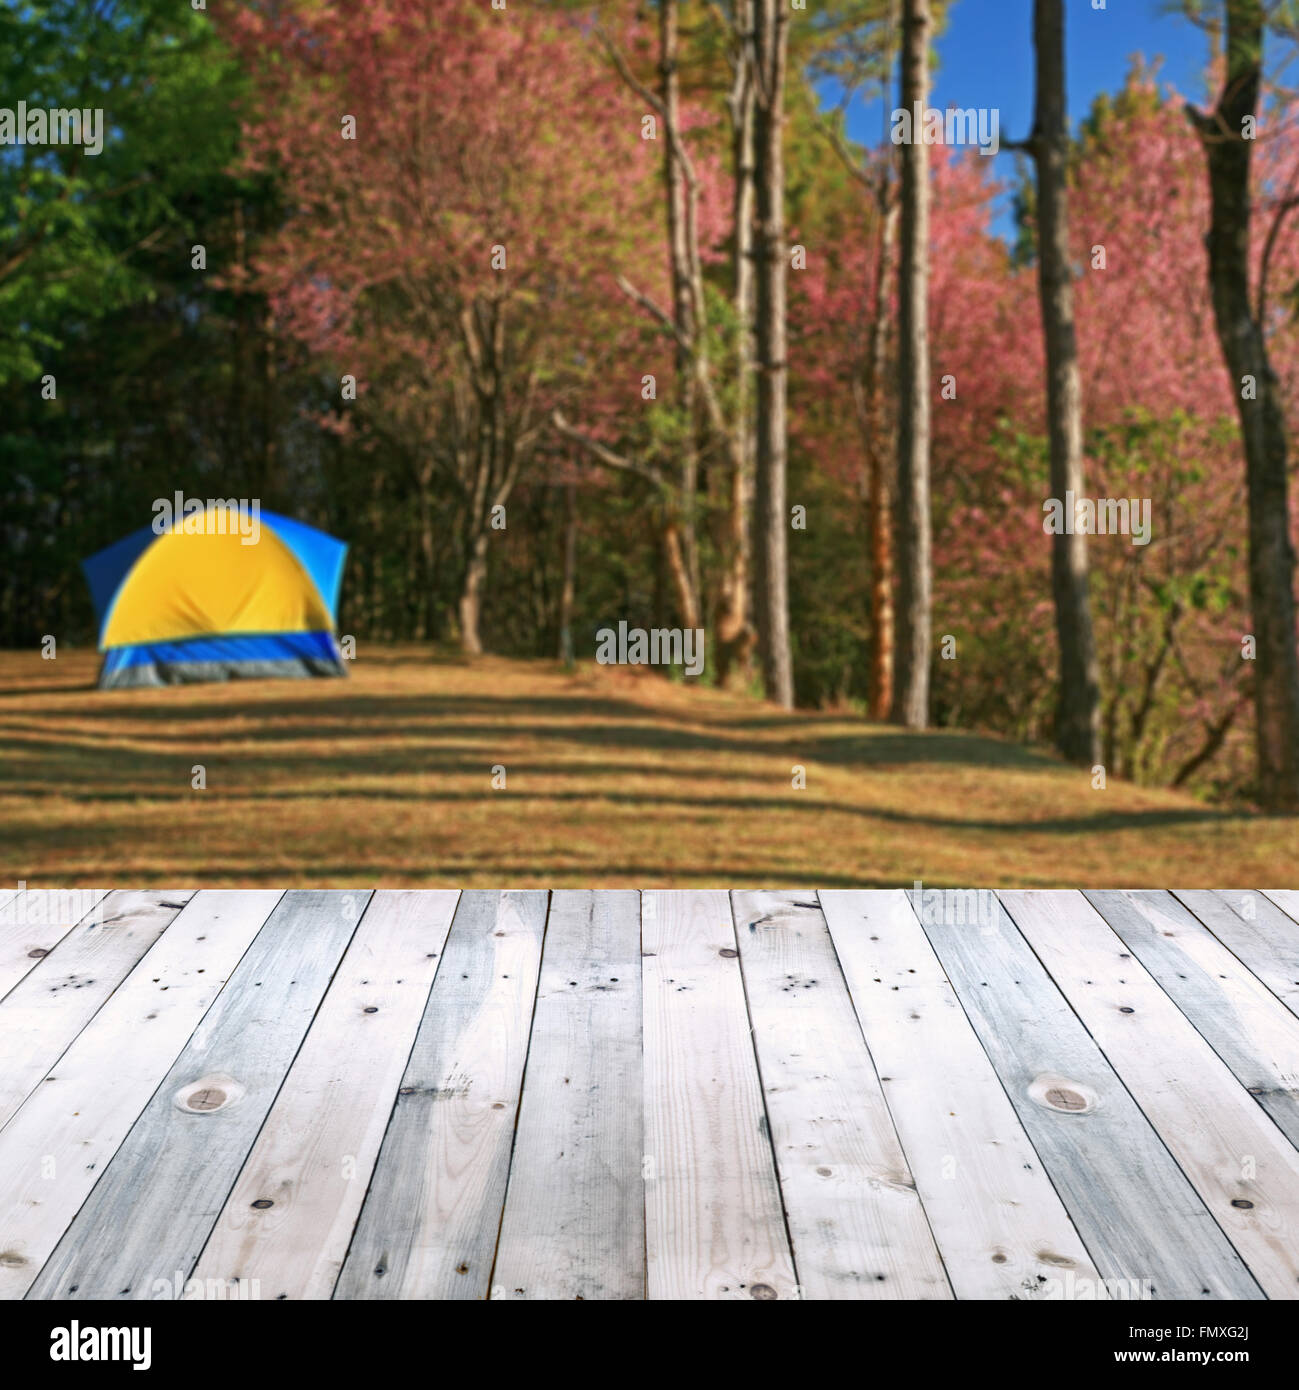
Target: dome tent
column 204, row 600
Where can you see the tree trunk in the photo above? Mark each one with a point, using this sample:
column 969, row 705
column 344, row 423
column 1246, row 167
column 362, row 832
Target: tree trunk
column 1262, row 421
column 771, row 34
column 679, row 569
column 568, row 589
column 913, row 528
column 683, row 307
column 734, row 631
column 471, row 596
column 425, row 616
column 270, row 405
column 879, row 460
column 494, row 445
column 1077, row 721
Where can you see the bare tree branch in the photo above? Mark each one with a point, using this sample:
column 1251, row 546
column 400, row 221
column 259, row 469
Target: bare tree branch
column 603, row 454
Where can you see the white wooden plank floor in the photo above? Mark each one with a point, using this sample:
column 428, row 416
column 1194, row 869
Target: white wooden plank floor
column 667, row 1095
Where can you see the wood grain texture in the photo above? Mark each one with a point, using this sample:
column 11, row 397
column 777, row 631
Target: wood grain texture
column 1240, row 1018
column 713, row 1221
column 142, row 1228
column 858, row 1229
column 42, row 1014
column 1287, row 899
column 288, row 1219
column 32, row 922
column 433, row 1212
column 574, row 1223
column 999, row 1223
column 55, row 1147
column 1138, row 1215
column 1243, row 1167
column 1258, row 931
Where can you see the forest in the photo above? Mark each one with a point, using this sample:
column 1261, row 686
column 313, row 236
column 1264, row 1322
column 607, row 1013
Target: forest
column 571, row 315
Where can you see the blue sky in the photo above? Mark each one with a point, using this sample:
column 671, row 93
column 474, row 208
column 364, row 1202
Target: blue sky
column 985, row 59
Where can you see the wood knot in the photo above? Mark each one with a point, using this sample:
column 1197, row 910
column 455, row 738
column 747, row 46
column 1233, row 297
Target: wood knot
column 1064, row 1096
column 730, row 955
column 1064, row 1099
column 1050, row 1258
column 262, row 1203
column 208, row 1094
column 764, row 1293
column 209, row 1098
column 37, row 953
column 1242, row 1204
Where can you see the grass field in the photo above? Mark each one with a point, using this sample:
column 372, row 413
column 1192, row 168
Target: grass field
column 614, row 777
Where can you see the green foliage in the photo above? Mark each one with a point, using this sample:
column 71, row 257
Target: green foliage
column 854, row 43
column 165, row 375
column 829, row 583
column 75, row 227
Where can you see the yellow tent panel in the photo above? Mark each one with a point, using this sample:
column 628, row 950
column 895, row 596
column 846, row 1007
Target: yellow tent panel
column 196, row 585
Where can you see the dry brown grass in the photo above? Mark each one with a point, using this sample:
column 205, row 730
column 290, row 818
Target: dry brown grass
column 615, row 778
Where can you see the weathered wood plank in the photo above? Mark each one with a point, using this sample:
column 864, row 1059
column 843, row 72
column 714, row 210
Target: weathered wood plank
column 430, row 1221
column 1287, row 899
column 999, row 1223
column 1240, row 1018
column 140, row 1232
column 54, row 1148
column 1139, row 1217
column 574, row 1223
column 858, row 1228
column 32, row 922
column 288, row 1218
column 714, row 1225
column 42, row 1014
column 1258, row 931
column 1243, row 1167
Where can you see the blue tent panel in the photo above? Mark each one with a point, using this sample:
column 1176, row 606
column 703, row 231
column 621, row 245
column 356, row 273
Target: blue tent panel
column 106, row 569
column 319, row 554
column 234, row 656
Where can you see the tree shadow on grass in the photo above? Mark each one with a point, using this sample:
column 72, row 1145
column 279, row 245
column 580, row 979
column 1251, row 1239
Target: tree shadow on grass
column 799, row 807
column 599, row 722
